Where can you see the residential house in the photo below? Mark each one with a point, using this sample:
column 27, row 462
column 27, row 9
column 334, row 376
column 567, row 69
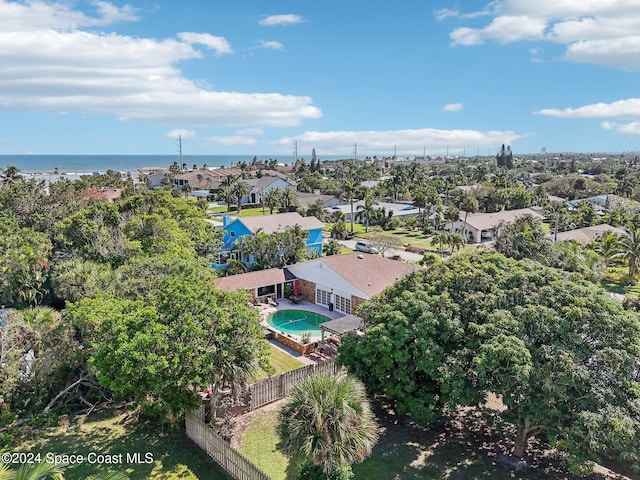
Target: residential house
column 260, row 186
column 586, row 235
column 279, row 222
column 338, row 282
column 102, row 194
column 262, row 284
column 401, row 211
column 479, row 226
column 306, row 199
column 204, row 178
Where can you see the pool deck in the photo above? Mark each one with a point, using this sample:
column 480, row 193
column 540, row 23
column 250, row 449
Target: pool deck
column 284, row 304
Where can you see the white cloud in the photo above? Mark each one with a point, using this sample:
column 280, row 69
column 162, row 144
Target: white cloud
column 632, row 128
column 231, row 140
column 182, row 132
column 287, row 19
column 453, row 107
column 254, row 132
column 504, row 29
column 48, row 64
column 602, row 32
column 619, row 109
column 269, row 45
column 406, row 141
column 35, row 15
column 219, row 44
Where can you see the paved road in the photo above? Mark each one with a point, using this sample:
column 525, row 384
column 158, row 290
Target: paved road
column 408, row 256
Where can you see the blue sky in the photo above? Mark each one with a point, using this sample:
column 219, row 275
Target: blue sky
column 253, row 77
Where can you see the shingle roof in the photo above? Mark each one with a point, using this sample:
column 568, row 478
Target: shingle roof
column 253, row 280
column 369, row 273
column 487, row 221
column 279, row 222
column 587, row 235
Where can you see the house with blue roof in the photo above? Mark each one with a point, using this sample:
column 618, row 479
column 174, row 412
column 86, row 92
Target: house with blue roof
column 235, row 228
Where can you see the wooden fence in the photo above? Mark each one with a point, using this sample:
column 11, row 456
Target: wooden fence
column 217, row 448
column 276, row 388
column 262, row 393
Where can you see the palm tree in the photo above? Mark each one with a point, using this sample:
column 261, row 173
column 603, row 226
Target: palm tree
column 38, row 471
column 468, row 205
column 289, row 198
column 226, row 195
column 365, row 212
column 452, row 215
column 316, row 209
column 456, row 241
column 442, row 239
column 607, row 246
column 10, row 175
column 271, row 198
column 337, row 216
column 629, row 249
column 186, row 189
column 349, row 190
column 327, row 421
column 240, row 190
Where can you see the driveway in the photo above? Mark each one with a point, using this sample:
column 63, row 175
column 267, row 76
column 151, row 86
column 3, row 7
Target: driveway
column 406, row 256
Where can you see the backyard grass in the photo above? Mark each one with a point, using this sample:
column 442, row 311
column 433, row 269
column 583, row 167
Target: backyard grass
column 281, row 361
column 462, row 448
column 259, row 444
column 173, row 455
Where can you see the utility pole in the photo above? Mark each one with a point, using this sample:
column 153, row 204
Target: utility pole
column 295, row 151
column 180, row 151
column 355, row 151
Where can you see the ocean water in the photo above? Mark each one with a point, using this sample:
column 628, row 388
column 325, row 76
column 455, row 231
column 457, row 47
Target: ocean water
column 101, row 163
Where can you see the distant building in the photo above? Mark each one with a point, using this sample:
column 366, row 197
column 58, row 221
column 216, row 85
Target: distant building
column 479, row 227
column 269, row 224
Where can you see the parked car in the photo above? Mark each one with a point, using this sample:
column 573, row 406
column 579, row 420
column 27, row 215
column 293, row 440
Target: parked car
column 366, row 247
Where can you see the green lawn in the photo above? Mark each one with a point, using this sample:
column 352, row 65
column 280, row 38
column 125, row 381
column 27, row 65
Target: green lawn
column 616, row 281
column 259, row 444
column 281, row 361
column 247, row 212
column 172, row 454
column 461, row 450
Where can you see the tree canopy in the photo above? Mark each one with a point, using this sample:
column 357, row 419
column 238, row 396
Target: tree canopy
column 169, row 334
column 561, row 353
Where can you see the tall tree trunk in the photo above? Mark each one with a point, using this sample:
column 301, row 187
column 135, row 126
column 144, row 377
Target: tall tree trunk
column 525, row 431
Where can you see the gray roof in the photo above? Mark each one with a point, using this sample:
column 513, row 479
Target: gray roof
column 342, row 325
column 279, row 222
column 487, row 221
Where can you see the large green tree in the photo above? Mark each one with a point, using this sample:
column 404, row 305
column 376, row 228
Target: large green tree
column 169, row 334
column 560, row 353
column 24, row 264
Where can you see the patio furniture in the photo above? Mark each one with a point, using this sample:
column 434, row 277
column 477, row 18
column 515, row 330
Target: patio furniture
column 295, row 298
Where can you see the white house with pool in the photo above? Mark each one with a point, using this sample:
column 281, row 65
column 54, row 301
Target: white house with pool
column 332, row 286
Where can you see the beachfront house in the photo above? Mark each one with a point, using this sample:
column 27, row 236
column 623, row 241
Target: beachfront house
column 235, row 228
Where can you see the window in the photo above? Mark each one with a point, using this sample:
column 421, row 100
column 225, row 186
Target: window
column 232, row 234
column 323, row 297
column 343, row 304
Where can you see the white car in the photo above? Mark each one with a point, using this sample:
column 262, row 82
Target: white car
column 366, row 247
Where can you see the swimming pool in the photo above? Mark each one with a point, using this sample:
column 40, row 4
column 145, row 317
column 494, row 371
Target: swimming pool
column 297, row 322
